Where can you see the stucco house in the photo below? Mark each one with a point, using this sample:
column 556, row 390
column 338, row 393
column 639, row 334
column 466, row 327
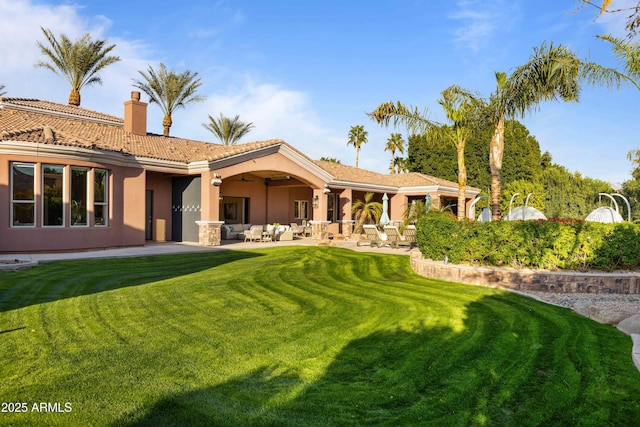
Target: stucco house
column 75, row 179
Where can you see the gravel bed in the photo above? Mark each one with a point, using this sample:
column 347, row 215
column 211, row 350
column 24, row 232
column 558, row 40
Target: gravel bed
column 626, row 302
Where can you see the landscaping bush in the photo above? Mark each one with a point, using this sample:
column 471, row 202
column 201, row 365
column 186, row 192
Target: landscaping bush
column 555, row 244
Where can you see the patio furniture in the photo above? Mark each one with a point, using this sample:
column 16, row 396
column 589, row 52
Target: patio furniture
column 373, row 237
column 395, row 238
column 254, row 233
column 297, row 230
column 409, row 234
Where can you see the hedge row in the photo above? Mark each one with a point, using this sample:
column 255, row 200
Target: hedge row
column 573, row 245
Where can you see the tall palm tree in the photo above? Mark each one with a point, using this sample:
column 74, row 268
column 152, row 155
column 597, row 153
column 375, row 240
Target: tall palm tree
column 79, row 61
column 228, row 131
column 357, row 137
column 366, row 211
column 169, row 90
column 2, row 91
column 401, row 165
column 394, row 143
column 463, row 111
column 552, row 73
column 629, row 53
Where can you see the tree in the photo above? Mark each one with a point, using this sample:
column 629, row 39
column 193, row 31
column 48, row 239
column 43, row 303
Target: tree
column 628, row 52
column 228, row 131
column 357, row 137
column 79, row 61
column 401, row 165
column 633, row 20
column 2, row 91
column 552, row 73
column 169, row 90
column 366, row 211
column 462, row 109
column 330, row 159
column 394, row 143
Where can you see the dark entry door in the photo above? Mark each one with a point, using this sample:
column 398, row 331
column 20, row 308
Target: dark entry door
column 148, row 228
column 185, row 209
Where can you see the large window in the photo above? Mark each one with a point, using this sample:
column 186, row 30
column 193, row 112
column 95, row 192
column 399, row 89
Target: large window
column 79, row 177
column 101, row 196
column 23, row 202
column 52, row 188
column 301, row 209
column 332, row 207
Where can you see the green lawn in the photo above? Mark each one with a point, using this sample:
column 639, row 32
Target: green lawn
column 297, row 336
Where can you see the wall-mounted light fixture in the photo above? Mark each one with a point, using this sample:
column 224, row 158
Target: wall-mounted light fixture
column 326, row 189
column 316, row 202
column 216, row 180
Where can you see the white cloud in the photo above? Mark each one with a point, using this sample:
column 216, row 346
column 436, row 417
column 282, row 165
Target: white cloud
column 276, row 112
column 481, row 19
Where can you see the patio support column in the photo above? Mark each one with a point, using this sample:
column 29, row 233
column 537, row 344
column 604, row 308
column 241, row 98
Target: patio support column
column 319, row 205
column 319, row 230
column 209, row 233
column 347, row 228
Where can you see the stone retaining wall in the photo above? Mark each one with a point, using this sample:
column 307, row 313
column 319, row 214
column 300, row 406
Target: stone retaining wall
column 529, row 280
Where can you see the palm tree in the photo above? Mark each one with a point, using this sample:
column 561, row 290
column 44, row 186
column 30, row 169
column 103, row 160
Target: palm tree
column 394, row 143
column 462, row 109
column 2, row 91
column 78, row 61
column 366, row 211
column 401, row 164
column 228, row 131
column 330, row 159
column 628, row 52
column 552, row 73
column 357, row 137
column 169, row 90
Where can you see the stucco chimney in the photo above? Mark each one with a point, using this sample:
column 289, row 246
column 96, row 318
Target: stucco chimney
column 135, row 115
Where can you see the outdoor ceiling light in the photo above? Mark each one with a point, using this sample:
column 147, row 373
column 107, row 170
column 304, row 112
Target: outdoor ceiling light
column 216, row 180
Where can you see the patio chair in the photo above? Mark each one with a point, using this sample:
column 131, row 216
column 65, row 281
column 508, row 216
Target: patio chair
column 297, row 230
column 253, row 234
column 372, row 236
column 395, row 238
column 409, row 234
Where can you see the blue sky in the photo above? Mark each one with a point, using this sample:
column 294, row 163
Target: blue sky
column 306, row 71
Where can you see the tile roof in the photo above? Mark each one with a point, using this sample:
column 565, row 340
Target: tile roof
column 32, row 120
column 347, row 173
column 25, row 119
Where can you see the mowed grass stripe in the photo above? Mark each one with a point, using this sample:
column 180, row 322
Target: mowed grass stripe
column 300, row 336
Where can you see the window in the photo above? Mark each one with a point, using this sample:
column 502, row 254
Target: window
column 301, row 209
column 52, row 187
column 100, row 196
column 332, row 207
column 79, row 177
column 23, row 192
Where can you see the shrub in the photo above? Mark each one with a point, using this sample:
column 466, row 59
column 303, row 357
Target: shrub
column 557, row 244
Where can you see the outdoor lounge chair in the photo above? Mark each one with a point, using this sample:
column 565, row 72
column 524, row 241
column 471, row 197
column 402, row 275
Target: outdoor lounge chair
column 372, row 236
column 253, row 234
column 297, row 230
column 409, row 234
column 395, row 238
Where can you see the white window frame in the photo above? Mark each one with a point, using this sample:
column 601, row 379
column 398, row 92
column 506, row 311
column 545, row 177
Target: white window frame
column 297, row 209
column 86, row 196
column 62, row 195
column 25, row 201
column 105, row 203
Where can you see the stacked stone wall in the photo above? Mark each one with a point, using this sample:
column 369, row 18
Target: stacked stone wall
column 529, row 280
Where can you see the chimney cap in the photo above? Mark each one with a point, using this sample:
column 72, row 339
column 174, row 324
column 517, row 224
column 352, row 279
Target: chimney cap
column 135, row 95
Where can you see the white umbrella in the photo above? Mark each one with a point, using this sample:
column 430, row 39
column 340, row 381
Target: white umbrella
column 384, row 219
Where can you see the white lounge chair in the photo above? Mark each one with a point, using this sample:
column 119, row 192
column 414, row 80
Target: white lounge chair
column 395, row 238
column 372, row 236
